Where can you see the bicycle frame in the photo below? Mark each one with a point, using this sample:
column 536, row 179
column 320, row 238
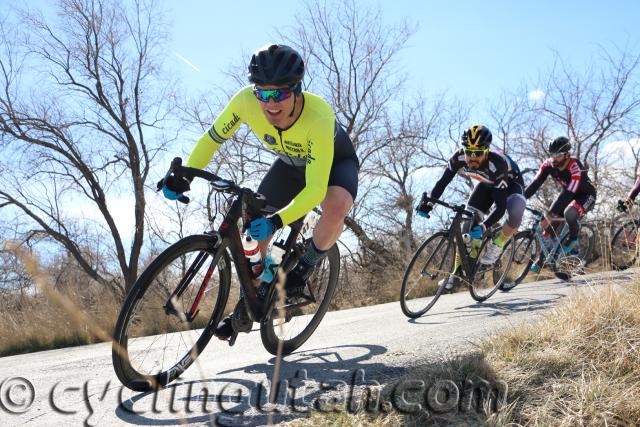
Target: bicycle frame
column 228, row 237
column 467, row 264
column 548, row 255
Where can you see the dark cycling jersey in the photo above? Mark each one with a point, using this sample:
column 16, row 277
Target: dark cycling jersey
column 635, row 189
column 498, row 171
column 573, row 178
column 312, row 142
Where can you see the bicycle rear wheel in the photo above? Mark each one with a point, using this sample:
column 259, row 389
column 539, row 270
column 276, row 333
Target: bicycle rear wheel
column 293, row 324
column 487, row 279
column 431, row 264
column 526, row 252
column 624, row 246
column 568, row 265
column 160, row 332
column 587, row 247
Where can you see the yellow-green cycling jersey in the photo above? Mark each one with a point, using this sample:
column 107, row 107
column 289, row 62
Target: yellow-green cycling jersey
column 308, row 143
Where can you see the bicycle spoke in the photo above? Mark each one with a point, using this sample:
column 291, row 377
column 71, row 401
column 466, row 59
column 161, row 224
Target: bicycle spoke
column 160, row 331
column 431, row 265
column 624, row 247
column 488, row 278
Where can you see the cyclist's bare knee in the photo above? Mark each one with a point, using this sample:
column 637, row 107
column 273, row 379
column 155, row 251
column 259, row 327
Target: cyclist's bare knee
column 336, row 204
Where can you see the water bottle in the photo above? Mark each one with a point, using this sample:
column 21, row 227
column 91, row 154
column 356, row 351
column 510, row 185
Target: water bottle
column 473, row 245
column 252, row 252
column 274, row 258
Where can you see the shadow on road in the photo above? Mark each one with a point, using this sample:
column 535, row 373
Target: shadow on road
column 320, row 379
column 493, row 309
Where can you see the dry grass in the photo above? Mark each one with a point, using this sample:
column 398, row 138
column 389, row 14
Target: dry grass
column 579, row 366
column 342, row 419
column 35, row 323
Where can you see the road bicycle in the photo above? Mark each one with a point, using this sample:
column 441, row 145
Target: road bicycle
column 433, row 261
column 624, row 244
column 531, row 246
column 170, row 313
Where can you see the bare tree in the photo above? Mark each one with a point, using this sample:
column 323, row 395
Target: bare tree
column 351, row 62
column 417, row 147
column 593, row 106
column 89, row 129
column 510, row 116
column 13, row 275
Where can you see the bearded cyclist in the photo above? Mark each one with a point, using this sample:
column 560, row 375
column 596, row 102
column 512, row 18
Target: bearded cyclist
column 316, row 163
column 500, row 184
column 578, row 195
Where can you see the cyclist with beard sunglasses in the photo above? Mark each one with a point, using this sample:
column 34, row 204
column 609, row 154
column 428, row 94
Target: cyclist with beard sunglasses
column 316, row 163
column 578, row 195
column 500, row 184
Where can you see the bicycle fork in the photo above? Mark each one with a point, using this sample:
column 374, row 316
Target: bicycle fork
column 191, row 314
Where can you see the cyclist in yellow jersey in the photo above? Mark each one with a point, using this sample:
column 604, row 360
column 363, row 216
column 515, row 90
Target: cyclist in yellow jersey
column 316, row 164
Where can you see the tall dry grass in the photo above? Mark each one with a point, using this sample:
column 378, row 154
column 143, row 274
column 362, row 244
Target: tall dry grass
column 34, row 323
column 578, row 366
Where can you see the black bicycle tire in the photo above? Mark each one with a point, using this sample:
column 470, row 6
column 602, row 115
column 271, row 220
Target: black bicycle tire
column 526, row 234
column 472, row 291
column 135, row 380
column 588, row 256
column 270, row 340
column 403, row 304
column 585, row 256
column 634, row 222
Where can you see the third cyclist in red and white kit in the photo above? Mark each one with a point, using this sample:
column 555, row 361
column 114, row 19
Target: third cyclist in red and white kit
column 578, row 194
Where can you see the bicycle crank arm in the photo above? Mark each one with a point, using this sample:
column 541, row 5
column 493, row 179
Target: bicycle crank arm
column 232, row 338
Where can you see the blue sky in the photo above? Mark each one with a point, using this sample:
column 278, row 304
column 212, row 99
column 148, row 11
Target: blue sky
column 472, row 49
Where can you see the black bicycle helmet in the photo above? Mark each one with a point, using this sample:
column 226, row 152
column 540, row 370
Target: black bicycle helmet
column 275, row 64
column 476, row 137
column 560, row 145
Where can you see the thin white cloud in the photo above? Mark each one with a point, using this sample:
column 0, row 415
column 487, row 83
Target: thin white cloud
column 186, row 61
column 621, row 153
column 536, row 95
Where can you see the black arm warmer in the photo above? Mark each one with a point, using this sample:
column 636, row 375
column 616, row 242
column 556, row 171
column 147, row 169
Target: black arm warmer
column 442, row 183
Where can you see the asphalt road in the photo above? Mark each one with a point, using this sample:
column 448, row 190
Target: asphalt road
column 229, row 385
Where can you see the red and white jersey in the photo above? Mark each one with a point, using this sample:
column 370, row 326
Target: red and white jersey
column 573, row 178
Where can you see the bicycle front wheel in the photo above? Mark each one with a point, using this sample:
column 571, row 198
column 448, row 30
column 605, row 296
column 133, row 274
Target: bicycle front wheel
column 423, row 281
column 170, row 313
column 488, row 278
column 624, row 246
column 291, row 326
